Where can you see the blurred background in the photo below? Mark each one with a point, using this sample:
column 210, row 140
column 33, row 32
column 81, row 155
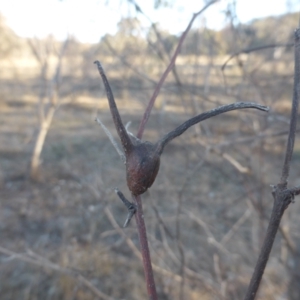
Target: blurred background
column 207, row 212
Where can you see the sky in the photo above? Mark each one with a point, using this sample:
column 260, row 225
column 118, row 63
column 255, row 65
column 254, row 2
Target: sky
column 89, row 20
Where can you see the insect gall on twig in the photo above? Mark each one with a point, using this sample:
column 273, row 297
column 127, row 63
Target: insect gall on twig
column 142, row 158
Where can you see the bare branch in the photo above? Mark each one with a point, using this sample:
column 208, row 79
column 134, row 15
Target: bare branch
column 210, row 237
column 126, row 142
column 160, row 54
column 294, row 112
column 167, row 71
column 282, row 199
column 235, row 227
column 130, row 207
column 126, row 63
column 282, row 195
column 253, row 49
column 206, row 115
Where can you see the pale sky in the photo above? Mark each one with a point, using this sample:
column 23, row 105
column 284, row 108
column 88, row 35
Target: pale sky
column 88, row 20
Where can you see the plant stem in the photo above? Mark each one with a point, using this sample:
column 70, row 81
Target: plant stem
column 206, row 115
column 139, row 217
column 282, row 198
column 168, row 70
column 282, row 195
column 294, row 112
column 126, row 142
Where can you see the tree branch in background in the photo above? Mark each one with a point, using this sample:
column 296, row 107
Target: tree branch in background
column 282, row 195
column 167, row 71
column 206, row 115
column 160, row 54
column 254, row 49
column 46, row 114
column 126, row 142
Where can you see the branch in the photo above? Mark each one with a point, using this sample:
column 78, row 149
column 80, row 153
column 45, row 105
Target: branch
column 282, row 195
column 126, row 63
column 139, row 217
column 253, row 49
column 206, row 115
column 159, row 38
column 126, row 142
column 294, row 112
column 167, row 71
column 282, row 199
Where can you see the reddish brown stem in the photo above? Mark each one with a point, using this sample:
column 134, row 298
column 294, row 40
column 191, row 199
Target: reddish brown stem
column 167, row 71
column 139, row 217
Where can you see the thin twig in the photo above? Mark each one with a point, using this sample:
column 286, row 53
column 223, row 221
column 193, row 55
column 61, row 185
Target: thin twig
column 130, row 207
column 210, row 237
column 294, row 112
column 282, row 195
column 260, row 135
column 235, row 227
column 161, row 56
column 167, row 71
column 253, row 49
column 282, row 199
column 126, row 63
column 206, row 115
column 126, row 142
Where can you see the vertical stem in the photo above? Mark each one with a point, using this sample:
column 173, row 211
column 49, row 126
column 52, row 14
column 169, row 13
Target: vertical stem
column 277, row 212
column 139, row 216
column 39, row 143
column 168, row 70
column 282, row 195
column 294, row 112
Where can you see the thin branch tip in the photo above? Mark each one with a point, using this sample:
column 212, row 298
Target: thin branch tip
column 168, row 70
column 99, row 66
column 201, row 117
column 125, row 140
column 252, row 105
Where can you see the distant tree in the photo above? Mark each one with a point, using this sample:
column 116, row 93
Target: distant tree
column 49, row 98
column 128, row 40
